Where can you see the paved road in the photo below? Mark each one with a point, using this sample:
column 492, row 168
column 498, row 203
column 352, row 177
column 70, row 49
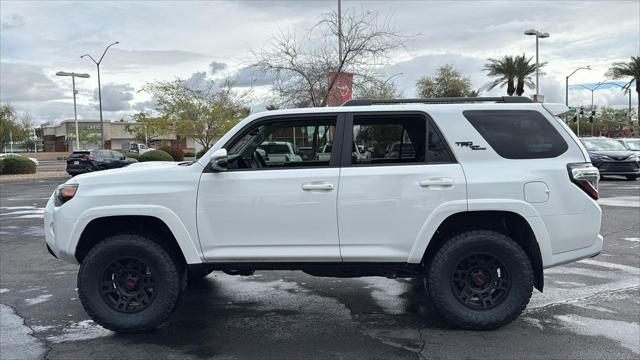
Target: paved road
column 589, row 309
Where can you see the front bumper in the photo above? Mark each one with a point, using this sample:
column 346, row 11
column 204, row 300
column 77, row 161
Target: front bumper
column 618, row 167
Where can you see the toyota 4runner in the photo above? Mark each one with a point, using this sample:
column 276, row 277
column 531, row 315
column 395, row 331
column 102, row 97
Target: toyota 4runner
column 492, row 191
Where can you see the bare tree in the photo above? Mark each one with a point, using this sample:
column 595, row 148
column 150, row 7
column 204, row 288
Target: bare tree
column 304, row 69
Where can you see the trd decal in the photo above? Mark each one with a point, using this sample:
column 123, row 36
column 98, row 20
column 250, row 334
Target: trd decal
column 469, row 144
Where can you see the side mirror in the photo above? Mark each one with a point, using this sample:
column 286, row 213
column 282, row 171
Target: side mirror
column 218, row 160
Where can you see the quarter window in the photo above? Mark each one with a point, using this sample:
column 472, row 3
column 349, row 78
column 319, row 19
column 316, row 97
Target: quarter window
column 517, row 134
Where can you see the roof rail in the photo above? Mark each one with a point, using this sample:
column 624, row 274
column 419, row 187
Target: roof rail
column 444, row 100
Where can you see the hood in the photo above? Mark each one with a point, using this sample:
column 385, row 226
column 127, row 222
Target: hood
column 615, row 155
column 136, row 171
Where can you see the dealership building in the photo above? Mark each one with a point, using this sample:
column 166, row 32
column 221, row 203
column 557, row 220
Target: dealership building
column 61, row 137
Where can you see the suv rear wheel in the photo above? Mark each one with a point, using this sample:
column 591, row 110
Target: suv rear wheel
column 129, row 283
column 480, row 280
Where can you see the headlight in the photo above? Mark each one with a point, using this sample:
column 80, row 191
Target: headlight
column 600, row 157
column 635, row 157
column 64, row 193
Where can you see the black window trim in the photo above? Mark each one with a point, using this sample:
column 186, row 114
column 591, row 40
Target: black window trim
column 347, row 142
column 334, row 162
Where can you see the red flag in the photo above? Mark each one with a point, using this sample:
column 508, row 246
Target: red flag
column 341, row 90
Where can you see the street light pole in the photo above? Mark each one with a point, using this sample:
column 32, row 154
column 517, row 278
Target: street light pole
column 99, row 88
column 588, row 67
column 538, row 35
column 75, row 111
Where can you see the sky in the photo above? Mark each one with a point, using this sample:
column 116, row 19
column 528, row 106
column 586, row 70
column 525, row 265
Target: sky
column 165, row 40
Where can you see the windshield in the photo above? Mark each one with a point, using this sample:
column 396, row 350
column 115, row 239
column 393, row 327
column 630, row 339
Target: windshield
column 633, row 144
column 602, row 145
column 275, row 148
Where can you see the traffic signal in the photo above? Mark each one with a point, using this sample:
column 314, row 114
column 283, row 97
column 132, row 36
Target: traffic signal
column 593, row 113
column 591, row 118
column 574, row 118
column 581, row 111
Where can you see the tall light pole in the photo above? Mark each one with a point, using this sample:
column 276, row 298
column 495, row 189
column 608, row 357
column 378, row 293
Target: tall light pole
column 99, row 90
column 339, row 31
column 538, row 35
column 588, row 67
column 75, row 111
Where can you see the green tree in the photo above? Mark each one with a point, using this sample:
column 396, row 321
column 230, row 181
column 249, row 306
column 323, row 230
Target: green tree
column 620, row 70
column 504, row 71
column 148, row 128
column 447, row 82
column 204, row 110
column 524, row 72
column 375, row 91
column 10, row 127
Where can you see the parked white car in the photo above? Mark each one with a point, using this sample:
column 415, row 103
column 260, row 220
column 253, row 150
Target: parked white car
column 140, row 148
column 279, row 152
column 2, row 156
column 496, row 190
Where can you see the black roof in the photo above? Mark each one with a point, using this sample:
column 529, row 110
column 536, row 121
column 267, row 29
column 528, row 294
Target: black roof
column 444, row 100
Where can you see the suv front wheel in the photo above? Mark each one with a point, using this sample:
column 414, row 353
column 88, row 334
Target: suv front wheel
column 129, row 283
column 480, row 280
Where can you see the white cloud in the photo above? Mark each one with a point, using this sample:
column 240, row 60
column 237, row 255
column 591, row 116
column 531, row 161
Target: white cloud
column 115, row 97
column 165, row 40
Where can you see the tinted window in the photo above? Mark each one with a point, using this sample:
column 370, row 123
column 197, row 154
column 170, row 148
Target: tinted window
column 389, row 139
column 284, row 144
column 438, row 151
column 517, row 134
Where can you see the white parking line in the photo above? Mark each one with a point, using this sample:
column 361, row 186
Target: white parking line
column 623, row 201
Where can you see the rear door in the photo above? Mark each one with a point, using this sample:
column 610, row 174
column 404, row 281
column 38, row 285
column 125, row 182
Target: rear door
column 385, row 198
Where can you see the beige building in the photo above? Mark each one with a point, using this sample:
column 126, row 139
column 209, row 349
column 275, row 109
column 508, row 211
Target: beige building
column 61, row 137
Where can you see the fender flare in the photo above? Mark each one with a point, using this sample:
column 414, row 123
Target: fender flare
column 444, row 211
column 188, row 243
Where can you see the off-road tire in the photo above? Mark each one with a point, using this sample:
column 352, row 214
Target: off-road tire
column 165, row 270
column 439, row 279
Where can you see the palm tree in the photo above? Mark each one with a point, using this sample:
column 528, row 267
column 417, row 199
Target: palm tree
column 504, row 70
column 524, row 71
column 623, row 70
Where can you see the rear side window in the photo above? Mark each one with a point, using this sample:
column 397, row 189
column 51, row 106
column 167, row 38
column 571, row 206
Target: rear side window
column 389, row 139
column 517, row 134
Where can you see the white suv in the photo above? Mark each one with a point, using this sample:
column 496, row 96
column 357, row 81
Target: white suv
column 493, row 191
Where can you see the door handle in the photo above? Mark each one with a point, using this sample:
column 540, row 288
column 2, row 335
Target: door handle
column 317, row 186
column 443, row 181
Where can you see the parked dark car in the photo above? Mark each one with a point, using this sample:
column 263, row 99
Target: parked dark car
column 612, row 158
column 83, row 161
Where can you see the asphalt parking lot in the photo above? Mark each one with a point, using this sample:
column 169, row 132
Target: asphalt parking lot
column 589, row 309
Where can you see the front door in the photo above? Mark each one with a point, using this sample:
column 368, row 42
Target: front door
column 273, row 204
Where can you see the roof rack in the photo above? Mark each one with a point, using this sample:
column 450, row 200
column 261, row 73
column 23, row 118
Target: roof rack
column 444, row 100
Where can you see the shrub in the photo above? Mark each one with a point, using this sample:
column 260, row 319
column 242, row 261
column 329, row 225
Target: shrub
column 132, row 155
column 189, row 154
column 155, row 155
column 201, row 152
column 175, row 152
column 15, row 164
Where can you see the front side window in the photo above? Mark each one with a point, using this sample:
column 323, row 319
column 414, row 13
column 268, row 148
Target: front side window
column 388, row 139
column 284, row 144
column 518, row 134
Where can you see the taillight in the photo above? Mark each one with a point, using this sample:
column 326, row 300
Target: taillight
column 64, row 193
column 586, row 176
column 87, row 158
